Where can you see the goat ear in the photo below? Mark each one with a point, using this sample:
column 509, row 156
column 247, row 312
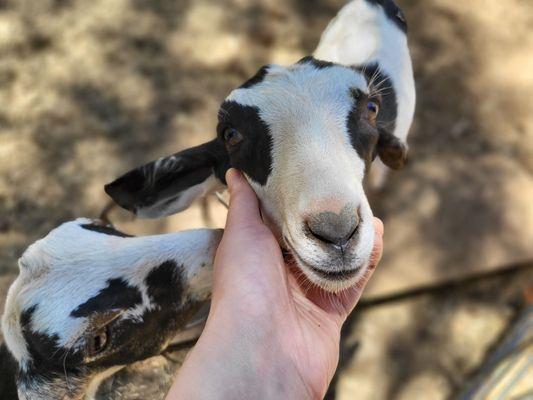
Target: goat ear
column 391, row 150
column 169, row 185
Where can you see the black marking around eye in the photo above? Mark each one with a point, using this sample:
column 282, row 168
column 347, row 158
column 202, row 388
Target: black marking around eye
column 383, row 87
column 134, row 339
column 254, row 154
column 363, row 137
column 117, row 295
column 318, row 64
column 46, row 354
column 105, row 229
column 256, row 79
column 393, row 12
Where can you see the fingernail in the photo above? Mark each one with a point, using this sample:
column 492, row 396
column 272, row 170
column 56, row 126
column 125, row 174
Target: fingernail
column 231, row 175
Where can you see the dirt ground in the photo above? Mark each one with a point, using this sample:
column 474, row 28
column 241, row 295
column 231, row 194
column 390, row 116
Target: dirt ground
column 90, row 89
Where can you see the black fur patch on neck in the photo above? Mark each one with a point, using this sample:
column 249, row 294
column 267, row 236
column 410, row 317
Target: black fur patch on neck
column 254, row 154
column 117, row 295
column 393, row 12
column 105, row 229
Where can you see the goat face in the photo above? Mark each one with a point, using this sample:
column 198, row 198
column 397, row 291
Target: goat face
column 303, row 136
column 89, row 300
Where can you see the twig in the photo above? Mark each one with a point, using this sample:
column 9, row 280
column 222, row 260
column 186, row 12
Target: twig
column 445, row 286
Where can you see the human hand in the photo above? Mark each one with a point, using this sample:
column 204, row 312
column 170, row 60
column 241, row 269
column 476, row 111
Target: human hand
column 266, row 337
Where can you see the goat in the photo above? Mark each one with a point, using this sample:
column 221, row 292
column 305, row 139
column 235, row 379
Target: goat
column 304, row 136
column 89, row 300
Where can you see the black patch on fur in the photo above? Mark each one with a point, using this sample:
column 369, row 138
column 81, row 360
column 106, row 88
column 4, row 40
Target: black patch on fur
column 383, row 85
column 129, row 340
column 388, row 112
column 167, row 179
column 393, row 12
column 390, row 149
column 117, row 295
column 105, row 229
column 136, row 339
column 49, row 363
column 164, row 283
column 363, row 136
column 46, row 354
column 254, row 154
column 8, row 374
column 319, row 64
column 256, row 79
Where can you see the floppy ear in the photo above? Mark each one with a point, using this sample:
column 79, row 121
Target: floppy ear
column 169, row 185
column 391, row 150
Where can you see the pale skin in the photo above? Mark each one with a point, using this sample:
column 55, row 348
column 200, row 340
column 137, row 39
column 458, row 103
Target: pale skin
column 267, row 335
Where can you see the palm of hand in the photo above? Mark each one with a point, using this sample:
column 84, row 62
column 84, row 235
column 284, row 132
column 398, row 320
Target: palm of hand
column 255, row 292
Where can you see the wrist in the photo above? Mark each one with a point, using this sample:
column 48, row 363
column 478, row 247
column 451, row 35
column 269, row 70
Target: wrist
column 232, row 361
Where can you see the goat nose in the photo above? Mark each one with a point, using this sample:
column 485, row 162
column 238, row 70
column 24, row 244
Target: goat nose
column 334, row 229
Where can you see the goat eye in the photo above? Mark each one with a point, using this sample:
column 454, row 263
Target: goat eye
column 232, row 136
column 373, row 107
column 97, row 342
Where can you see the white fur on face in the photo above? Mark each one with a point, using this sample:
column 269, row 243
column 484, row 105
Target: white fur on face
column 315, row 168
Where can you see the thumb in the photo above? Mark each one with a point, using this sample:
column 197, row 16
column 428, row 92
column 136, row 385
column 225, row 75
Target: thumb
column 243, row 210
column 248, row 258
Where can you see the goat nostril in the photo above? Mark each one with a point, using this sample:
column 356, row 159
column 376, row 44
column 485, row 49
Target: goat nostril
column 352, row 234
column 320, row 237
column 333, row 229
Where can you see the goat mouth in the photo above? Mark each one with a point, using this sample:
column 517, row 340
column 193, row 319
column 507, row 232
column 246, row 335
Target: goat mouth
column 292, row 257
column 342, row 275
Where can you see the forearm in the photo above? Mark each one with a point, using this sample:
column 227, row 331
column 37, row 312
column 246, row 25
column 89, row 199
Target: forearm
column 254, row 367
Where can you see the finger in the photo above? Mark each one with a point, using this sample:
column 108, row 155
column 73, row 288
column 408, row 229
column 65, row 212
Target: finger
column 244, row 207
column 246, row 241
column 248, row 259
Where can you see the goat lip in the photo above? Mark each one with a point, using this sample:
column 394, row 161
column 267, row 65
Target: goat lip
column 291, row 256
column 341, row 275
